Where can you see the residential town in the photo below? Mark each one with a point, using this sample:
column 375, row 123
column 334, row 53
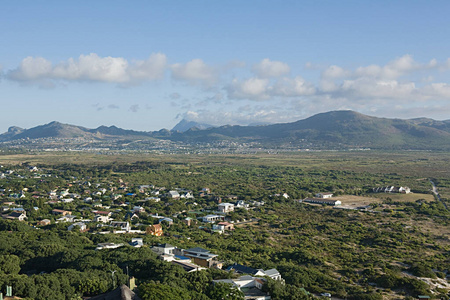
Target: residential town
column 189, row 228
column 119, row 208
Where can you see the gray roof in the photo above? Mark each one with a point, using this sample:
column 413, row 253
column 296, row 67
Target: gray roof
column 271, row 272
column 211, row 216
column 118, row 223
column 15, row 214
column 242, row 269
column 198, row 252
column 188, row 267
column 120, row 293
column 230, row 281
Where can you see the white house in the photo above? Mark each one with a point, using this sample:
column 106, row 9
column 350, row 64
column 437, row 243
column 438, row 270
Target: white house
column 323, row 201
column 101, row 246
column 102, row 219
column 188, row 195
column 174, row 194
column 404, row 190
column 66, row 218
column 240, row 269
column 21, row 216
column 324, row 195
column 120, row 226
column 81, row 225
column 116, row 196
column 164, row 249
column 138, row 209
column 137, row 242
column 225, row 207
column 249, row 285
column 389, row 189
column 242, row 204
column 212, row 218
column 272, row 273
column 156, row 199
column 64, row 193
column 258, row 203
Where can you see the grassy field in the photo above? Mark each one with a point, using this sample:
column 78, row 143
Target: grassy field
column 417, row 166
column 356, row 201
column 412, row 197
column 352, row 201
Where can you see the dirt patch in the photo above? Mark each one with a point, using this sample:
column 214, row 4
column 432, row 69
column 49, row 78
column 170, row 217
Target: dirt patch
column 411, row 197
column 352, row 201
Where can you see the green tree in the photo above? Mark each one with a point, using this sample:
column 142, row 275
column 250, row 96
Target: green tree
column 9, row 264
column 199, row 280
column 158, row 291
column 224, row 291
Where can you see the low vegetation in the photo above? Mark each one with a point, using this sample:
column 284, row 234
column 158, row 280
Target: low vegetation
column 376, row 246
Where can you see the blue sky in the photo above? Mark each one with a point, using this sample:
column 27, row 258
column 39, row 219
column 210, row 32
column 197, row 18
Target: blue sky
column 145, row 65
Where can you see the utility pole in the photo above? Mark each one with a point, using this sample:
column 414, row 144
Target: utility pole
column 113, row 278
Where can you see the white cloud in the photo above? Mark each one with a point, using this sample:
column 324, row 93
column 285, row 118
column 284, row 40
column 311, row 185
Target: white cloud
column 264, row 89
column 398, row 67
column 195, row 72
column 90, row 67
column 252, row 88
column 292, row 87
column 384, row 85
column 370, row 89
column 150, row 69
column 401, row 82
column 250, row 115
column 334, row 72
column 437, row 90
column 31, row 68
column 268, row 68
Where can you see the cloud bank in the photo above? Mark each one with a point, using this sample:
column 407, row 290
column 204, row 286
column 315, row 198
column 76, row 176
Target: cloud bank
column 401, row 85
column 90, row 67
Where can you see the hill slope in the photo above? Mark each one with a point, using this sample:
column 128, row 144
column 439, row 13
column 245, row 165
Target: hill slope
column 67, row 131
column 185, row 125
column 336, row 129
column 331, row 130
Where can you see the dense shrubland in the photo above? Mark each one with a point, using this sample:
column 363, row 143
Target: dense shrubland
column 351, row 254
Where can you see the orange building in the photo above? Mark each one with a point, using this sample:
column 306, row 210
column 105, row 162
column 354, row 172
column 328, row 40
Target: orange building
column 155, row 230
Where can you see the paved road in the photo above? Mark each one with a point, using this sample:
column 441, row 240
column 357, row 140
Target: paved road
column 437, row 194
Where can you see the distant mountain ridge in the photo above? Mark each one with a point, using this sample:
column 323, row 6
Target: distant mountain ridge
column 336, row 129
column 185, row 125
column 59, row 130
column 330, row 130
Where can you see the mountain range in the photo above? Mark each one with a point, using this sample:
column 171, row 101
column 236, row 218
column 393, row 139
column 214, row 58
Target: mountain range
column 185, row 125
column 330, row 130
